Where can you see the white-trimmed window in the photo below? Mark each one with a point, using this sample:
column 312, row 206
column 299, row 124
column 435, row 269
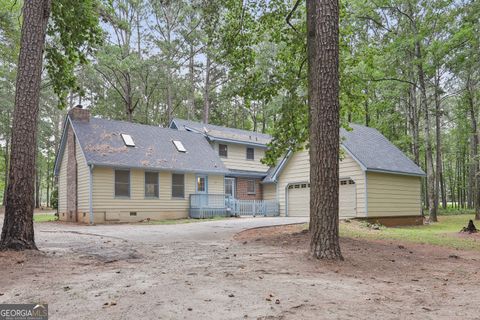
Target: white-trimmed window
column 122, row 183
column 251, row 187
column 151, row 184
column 178, row 185
column 250, row 153
column 223, row 150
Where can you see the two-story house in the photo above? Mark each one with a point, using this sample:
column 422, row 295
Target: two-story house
column 110, row 171
column 240, row 151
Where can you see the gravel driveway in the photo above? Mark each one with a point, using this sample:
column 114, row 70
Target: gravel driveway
column 207, row 270
column 127, row 271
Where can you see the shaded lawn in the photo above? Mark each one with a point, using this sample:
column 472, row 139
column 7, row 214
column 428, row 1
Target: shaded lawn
column 443, row 233
column 44, row 217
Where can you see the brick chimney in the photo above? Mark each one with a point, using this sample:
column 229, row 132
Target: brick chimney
column 79, row 113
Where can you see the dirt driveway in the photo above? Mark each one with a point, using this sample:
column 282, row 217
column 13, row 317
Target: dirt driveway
column 209, row 270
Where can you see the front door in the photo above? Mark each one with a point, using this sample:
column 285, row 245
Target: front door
column 202, row 188
column 230, row 187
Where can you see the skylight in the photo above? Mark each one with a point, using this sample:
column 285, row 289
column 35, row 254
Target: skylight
column 127, row 139
column 179, row 146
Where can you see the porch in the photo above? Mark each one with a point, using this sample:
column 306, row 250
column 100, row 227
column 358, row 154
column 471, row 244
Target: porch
column 204, row 206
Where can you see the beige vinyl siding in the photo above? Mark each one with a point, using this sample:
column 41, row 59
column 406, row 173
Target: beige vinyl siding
column 83, row 180
column 105, row 205
column 237, row 157
column 297, row 170
column 393, row 195
column 270, row 191
column 349, row 168
column 62, row 185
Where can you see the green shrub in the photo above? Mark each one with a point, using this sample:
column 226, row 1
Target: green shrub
column 54, row 199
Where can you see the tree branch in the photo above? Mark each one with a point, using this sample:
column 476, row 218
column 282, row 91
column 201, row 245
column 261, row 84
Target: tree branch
column 290, row 14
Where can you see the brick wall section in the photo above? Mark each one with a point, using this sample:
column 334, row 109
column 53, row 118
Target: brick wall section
column 78, row 113
column 72, row 205
column 242, row 193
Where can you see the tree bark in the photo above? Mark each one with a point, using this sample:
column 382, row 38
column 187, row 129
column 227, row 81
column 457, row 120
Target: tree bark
column 323, row 100
column 17, row 232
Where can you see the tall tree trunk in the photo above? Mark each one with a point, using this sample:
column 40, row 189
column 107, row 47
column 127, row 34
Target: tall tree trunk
column 37, row 188
column 206, row 92
column 191, row 73
column 438, row 142
column 169, row 98
column 475, row 159
column 6, row 163
column 367, row 109
column 414, row 123
column 428, row 143
column 17, row 232
column 48, row 177
column 323, row 100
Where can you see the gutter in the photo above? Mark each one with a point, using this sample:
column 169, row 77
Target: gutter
column 119, row 166
column 396, row 172
column 90, row 192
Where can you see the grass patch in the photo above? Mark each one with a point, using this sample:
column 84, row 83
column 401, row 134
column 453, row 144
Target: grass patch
column 450, row 211
column 183, row 221
column 44, row 217
column 443, row 233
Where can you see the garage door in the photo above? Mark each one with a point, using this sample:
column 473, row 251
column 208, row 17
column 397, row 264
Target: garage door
column 299, row 199
column 347, row 198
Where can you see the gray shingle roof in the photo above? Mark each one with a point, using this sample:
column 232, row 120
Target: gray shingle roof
column 217, row 132
column 103, row 146
column 376, row 153
column 371, row 149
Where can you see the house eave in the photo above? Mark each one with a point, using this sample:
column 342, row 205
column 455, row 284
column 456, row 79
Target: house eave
column 119, row 166
column 420, row 175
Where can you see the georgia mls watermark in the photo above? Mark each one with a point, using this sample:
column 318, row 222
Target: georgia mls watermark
column 23, row 311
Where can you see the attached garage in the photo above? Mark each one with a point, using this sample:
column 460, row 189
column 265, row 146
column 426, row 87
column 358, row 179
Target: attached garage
column 298, row 199
column 377, row 181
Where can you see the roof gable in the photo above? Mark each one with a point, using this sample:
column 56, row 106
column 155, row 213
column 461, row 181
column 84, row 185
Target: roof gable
column 375, row 153
column 370, row 149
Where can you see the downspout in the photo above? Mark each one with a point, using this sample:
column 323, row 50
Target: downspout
column 90, row 191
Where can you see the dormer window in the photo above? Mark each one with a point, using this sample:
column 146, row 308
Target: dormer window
column 179, row 145
column 127, row 139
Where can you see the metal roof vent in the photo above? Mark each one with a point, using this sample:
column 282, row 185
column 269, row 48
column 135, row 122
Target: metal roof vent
column 179, row 146
column 127, row 139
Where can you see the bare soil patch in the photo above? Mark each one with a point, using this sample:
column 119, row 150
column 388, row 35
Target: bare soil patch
column 164, row 272
column 426, row 279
